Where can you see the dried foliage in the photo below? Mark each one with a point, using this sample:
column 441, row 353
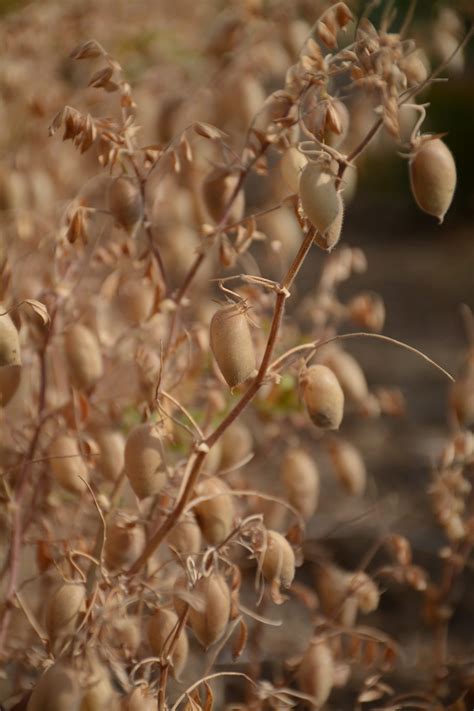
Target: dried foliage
column 163, row 426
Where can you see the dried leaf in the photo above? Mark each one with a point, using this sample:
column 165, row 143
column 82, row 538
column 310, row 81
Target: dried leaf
column 39, row 309
column 87, row 50
column 209, row 698
column 240, row 641
column 207, row 130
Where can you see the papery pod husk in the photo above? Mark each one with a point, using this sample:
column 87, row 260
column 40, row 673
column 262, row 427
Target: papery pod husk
column 64, row 610
column 143, row 461
column 10, row 353
column 331, row 237
column 111, row 460
column 210, row 624
column 160, row 627
column 140, row 699
column 215, row 515
column 125, row 202
column 83, row 356
column 137, row 298
column 349, row 466
column 319, row 197
column 99, row 693
column 232, row 345
column 10, row 376
column 300, row 478
column 217, row 188
column 67, row 465
column 186, row 536
column 350, row 375
column 292, row 164
column 333, row 588
column 124, row 542
column 58, row 689
column 316, row 672
column 323, row 396
column 278, row 559
column 433, row 177
column 237, row 443
column 124, row 634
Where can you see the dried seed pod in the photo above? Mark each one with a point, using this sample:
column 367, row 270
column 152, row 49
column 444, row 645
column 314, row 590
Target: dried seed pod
column 278, row 561
column 348, row 466
column 319, row 197
column 331, row 237
column 9, row 341
column 124, row 633
column 143, row 461
column 215, row 515
column 67, row 465
column 210, row 624
column 111, row 459
column 140, row 699
column 57, row 690
column 433, row 177
column 232, row 345
column 125, row 203
column 349, row 374
column 365, row 591
column 99, row 693
column 415, row 67
column 334, row 593
column 237, row 443
column 217, row 190
column 83, row 357
column 185, row 537
column 137, row 299
column 367, row 310
column 161, row 628
column 123, row 544
column 317, row 671
column 291, row 166
column 323, row 396
column 300, row 479
column 64, row 610
column 10, row 376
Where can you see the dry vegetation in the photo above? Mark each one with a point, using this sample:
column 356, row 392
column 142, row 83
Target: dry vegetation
column 170, row 418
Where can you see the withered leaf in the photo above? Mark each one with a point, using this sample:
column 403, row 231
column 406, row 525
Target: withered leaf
column 39, row 309
column 87, row 50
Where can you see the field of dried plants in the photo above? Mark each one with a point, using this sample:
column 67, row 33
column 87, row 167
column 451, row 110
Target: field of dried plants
column 236, row 356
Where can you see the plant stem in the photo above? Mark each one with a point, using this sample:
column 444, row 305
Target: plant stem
column 206, row 444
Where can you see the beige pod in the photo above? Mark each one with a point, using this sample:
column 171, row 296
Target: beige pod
column 210, row 624
column 143, row 461
column 237, row 443
column 124, row 542
column 161, row 628
column 300, row 478
column 98, row 691
column 348, row 466
column 57, row 690
column 111, row 459
column 67, row 464
column 137, row 298
column 83, row 356
column 278, row 559
column 323, row 396
column 291, row 166
column 231, row 344
column 125, row 202
column 365, row 592
column 215, row 515
column 185, row 537
column 331, row 237
column 140, row 699
column 316, row 672
column 433, row 177
column 10, row 376
column 319, row 198
column 63, row 612
column 217, row 189
column 349, row 374
column 333, row 587
column 122, row 633
column 9, row 340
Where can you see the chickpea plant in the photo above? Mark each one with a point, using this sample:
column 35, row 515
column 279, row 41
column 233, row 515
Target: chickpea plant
column 156, row 373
